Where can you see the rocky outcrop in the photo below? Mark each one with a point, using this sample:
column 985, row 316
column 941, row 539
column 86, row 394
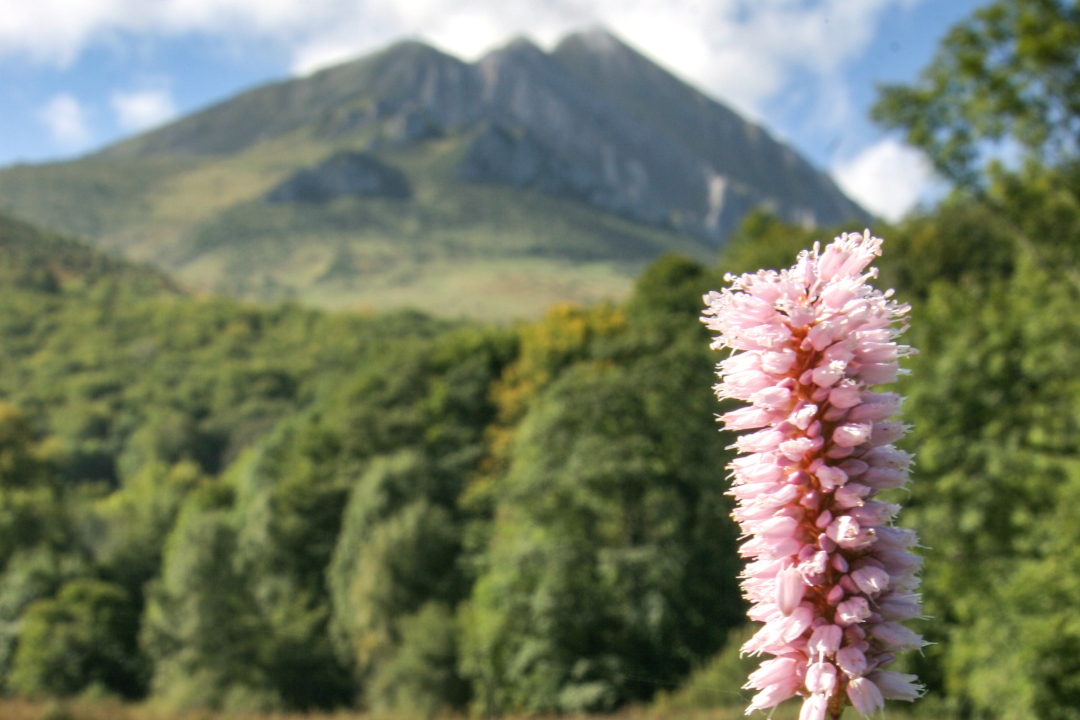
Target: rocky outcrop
column 685, row 162
column 548, row 130
column 592, row 148
column 741, row 157
column 343, row 174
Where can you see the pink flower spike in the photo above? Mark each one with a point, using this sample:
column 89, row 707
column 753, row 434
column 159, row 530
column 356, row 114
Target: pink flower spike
column 829, row 576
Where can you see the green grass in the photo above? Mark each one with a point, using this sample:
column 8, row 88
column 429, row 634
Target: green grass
column 453, row 249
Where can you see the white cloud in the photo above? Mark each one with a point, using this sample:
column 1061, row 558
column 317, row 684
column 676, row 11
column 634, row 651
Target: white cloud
column 66, row 120
column 141, row 110
column 744, row 51
column 888, row 179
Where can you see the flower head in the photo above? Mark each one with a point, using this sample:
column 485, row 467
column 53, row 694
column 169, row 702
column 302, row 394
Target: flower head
column 830, row 577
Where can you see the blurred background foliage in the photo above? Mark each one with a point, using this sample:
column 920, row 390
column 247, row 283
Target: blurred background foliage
column 211, row 505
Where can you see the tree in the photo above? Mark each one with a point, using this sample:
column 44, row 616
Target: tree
column 610, row 568
column 397, row 572
column 397, row 551
column 201, row 627
column 30, row 507
column 36, row 549
column 85, row 636
column 996, row 412
column 420, row 676
column 1007, row 78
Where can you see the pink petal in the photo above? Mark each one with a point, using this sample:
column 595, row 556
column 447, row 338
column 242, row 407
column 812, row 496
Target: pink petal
column 865, row 696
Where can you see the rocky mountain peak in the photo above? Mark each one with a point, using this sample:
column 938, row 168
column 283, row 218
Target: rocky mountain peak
column 594, row 120
column 598, row 40
column 343, row 174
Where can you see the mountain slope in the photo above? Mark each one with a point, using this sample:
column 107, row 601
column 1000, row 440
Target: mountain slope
column 519, row 183
column 741, row 154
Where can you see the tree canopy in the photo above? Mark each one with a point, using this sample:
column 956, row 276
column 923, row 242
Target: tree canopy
column 1005, row 84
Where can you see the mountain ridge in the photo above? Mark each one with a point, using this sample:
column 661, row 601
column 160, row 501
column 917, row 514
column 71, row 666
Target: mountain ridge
column 304, row 100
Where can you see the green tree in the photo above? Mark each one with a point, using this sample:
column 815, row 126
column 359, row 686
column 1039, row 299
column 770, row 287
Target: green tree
column 993, row 393
column 420, row 677
column 201, row 627
column 397, row 551
column 37, row 549
column 995, row 407
column 611, row 567
column 31, row 574
column 30, row 509
column 83, row 637
column 130, row 525
column 1008, row 77
column 398, row 568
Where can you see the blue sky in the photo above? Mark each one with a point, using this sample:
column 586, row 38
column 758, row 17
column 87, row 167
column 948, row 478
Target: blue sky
column 78, row 74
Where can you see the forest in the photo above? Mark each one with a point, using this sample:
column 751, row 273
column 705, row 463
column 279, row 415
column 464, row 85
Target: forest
column 208, row 504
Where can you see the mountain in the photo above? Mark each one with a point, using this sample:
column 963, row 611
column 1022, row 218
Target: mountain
column 409, row 177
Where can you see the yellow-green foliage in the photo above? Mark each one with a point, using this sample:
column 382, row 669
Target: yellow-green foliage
column 83, row 636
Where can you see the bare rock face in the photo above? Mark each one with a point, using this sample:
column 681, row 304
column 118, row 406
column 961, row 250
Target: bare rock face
column 745, row 167
column 411, row 125
column 597, row 121
column 590, row 148
column 342, row 174
column 505, row 155
column 517, row 155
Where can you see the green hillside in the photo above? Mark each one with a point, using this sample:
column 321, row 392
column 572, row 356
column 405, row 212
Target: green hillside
column 36, row 259
column 95, row 348
column 453, row 249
